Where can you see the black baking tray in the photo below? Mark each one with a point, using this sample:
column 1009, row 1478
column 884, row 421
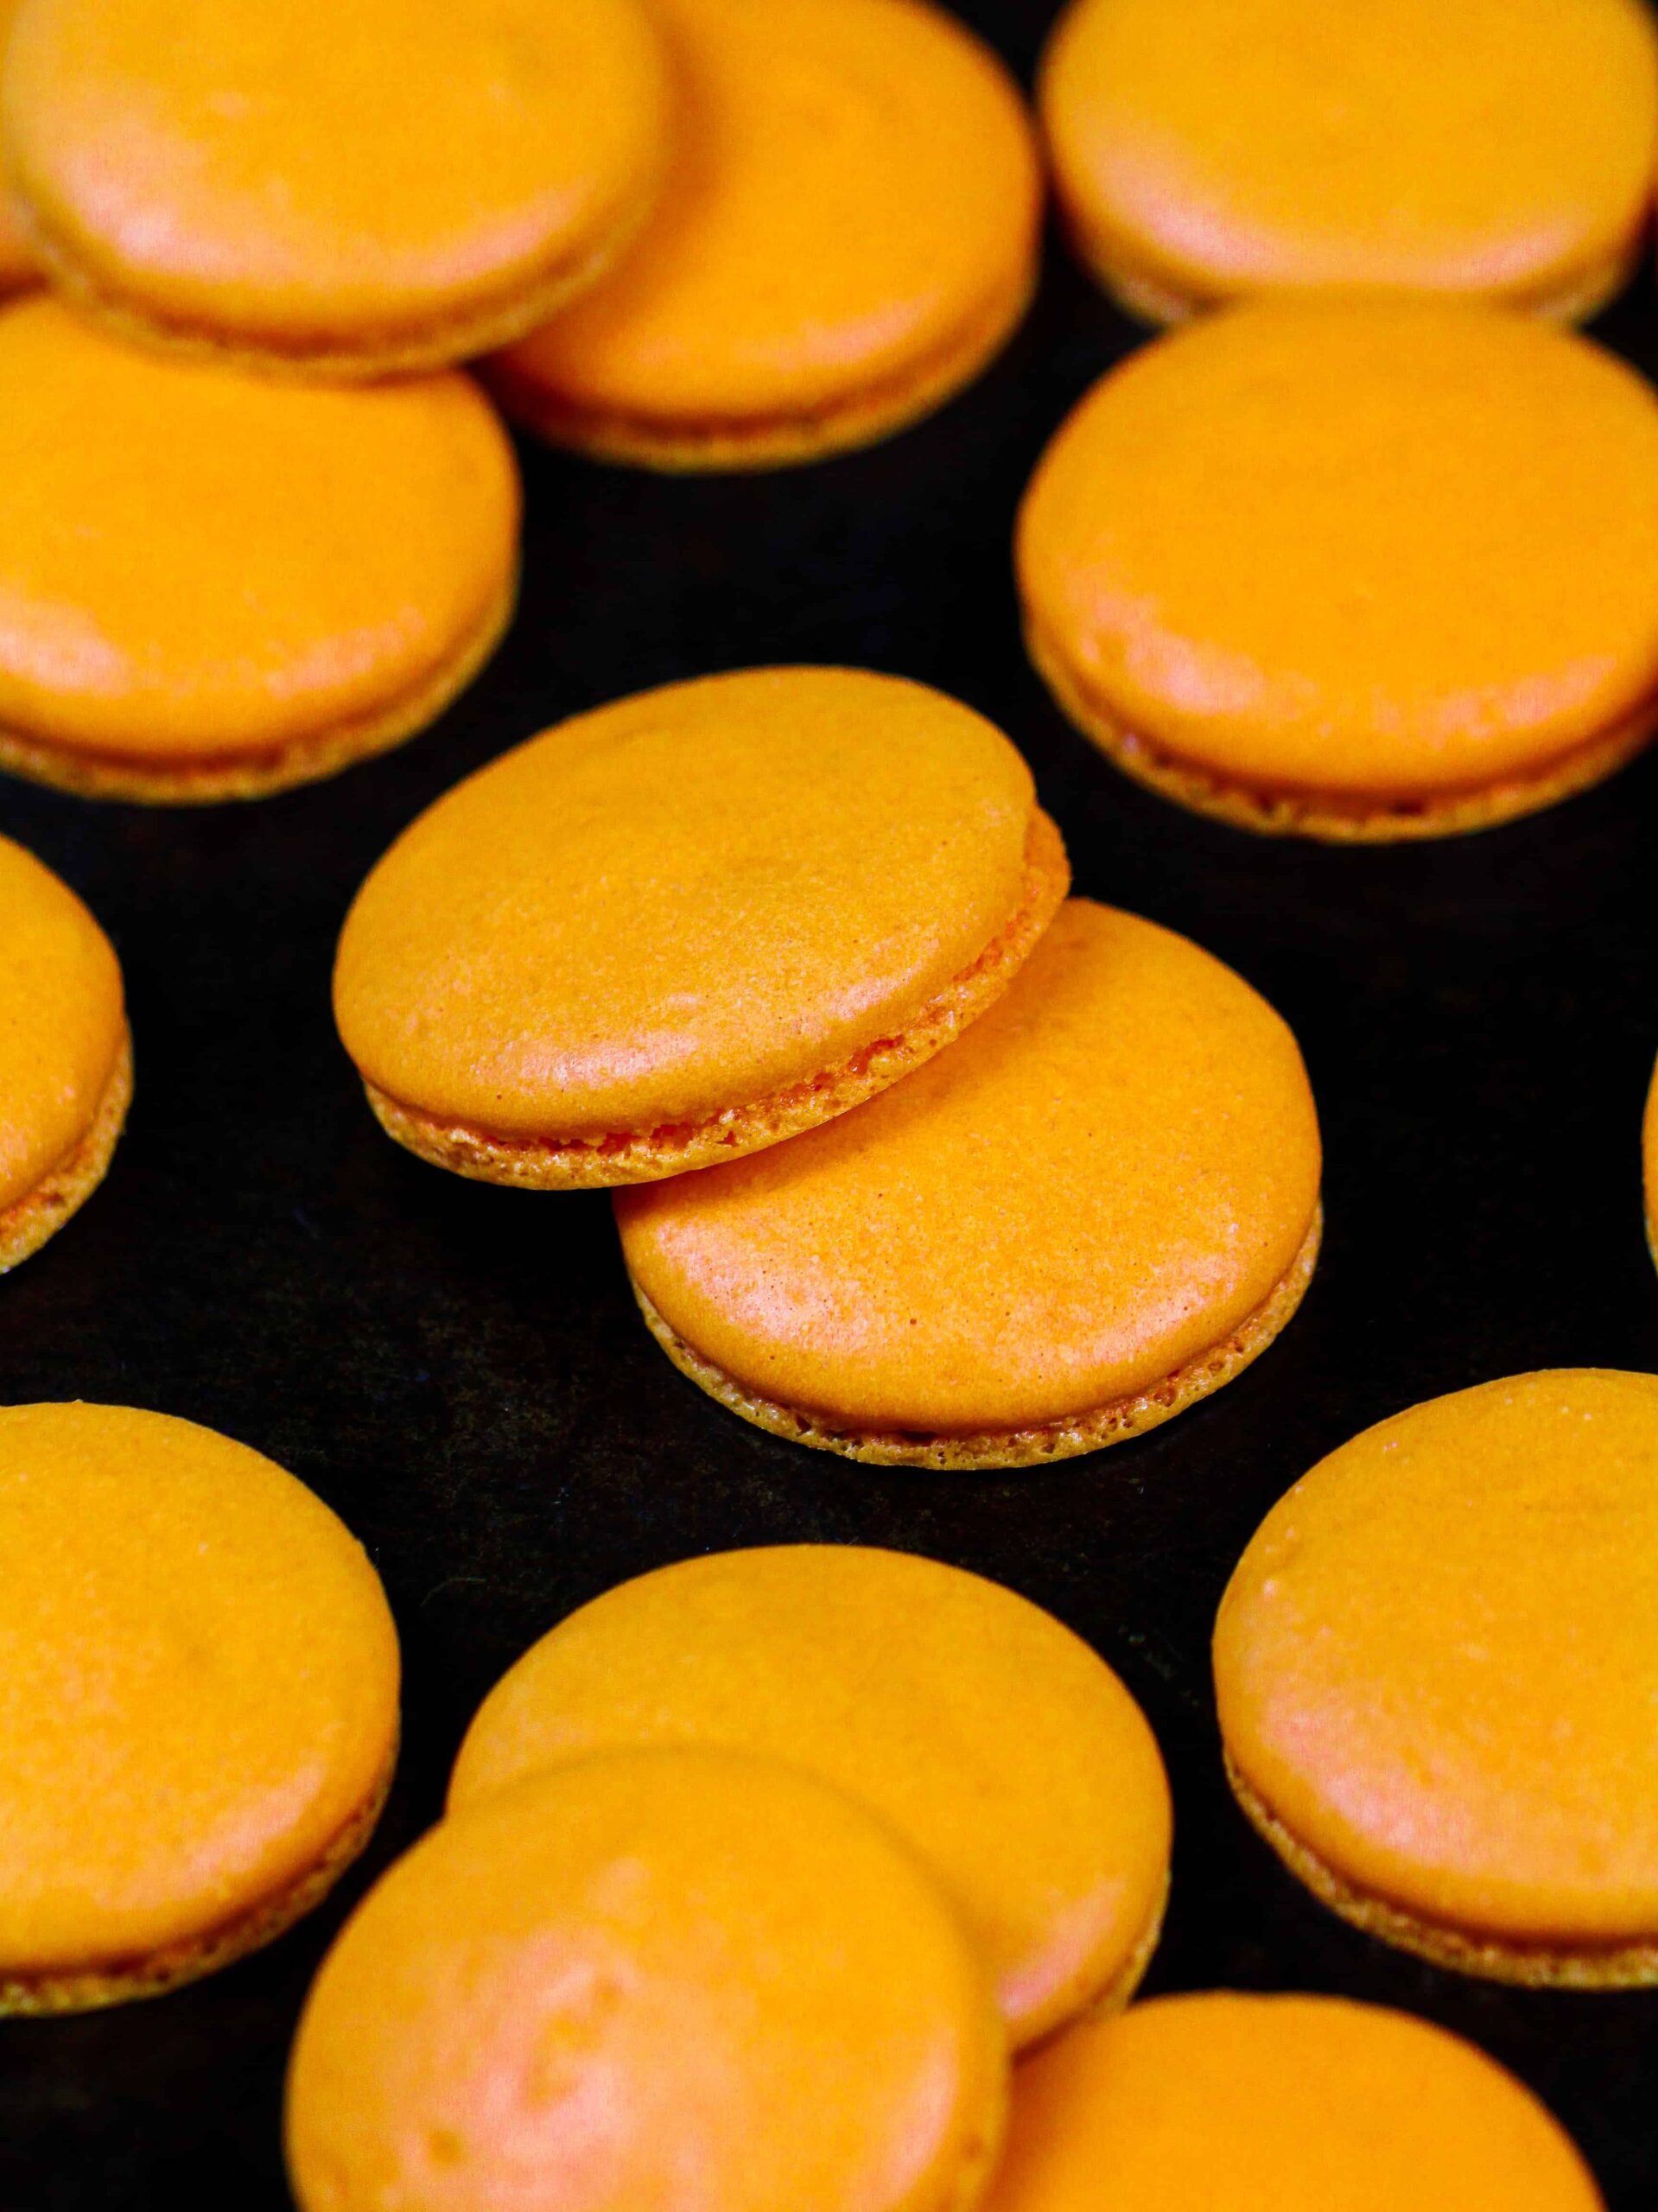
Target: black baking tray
column 460, row 1372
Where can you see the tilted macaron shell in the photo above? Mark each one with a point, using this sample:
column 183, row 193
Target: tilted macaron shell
column 856, row 196
column 199, row 566
column 675, row 905
column 1438, row 1659
column 991, row 1738
column 1213, row 148
column 391, row 181
column 62, row 1020
column 197, row 1686
column 665, row 1978
column 1381, row 550
column 1116, row 1165
column 1278, row 2104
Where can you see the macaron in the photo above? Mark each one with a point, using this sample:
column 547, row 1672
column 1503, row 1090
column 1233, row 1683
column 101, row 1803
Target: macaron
column 1206, row 150
column 682, row 927
column 1098, row 1207
column 848, row 232
column 198, row 1703
column 675, row 1979
column 1437, row 1665
column 1278, row 2104
column 1650, row 1164
column 17, row 267
column 213, row 586
column 325, row 192
column 1009, row 1756
column 66, row 1055
column 1354, row 570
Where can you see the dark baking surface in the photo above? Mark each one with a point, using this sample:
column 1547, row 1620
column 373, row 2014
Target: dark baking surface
column 459, row 1370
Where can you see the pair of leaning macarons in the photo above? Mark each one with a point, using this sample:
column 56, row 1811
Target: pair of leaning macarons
column 753, row 1868
column 922, row 1163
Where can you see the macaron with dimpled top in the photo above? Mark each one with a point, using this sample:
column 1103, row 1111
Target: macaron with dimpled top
column 848, row 232
column 330, row 192
column 213, row 586
column 198, row 1703
column 1354, row 570
column 1437, row 1664
column 1206, row 150
column 65, row 1054
column 1008, row 1754
column 683, row 927
column 1095, row 1208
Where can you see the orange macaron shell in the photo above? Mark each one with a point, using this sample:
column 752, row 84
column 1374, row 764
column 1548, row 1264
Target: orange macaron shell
column 1006, row 1752
column 1278, row 2104
column 690, row 924
column 1436, row 1665
column 1360, row 568
column 848, row 231
column 674, row 1979
column 1649, row 1164
column 332, row 193
column 1208, row 149
column 198, row 1702
column 66, row 1063
column 213, row 586
column 1096, row 1207
column 17, row 267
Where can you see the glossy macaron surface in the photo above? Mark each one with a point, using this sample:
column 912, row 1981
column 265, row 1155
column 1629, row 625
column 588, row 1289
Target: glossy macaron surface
column 990, row 1737
column 1216, row 148
column 1278, row 2104
column 662, row 1978
column 198, row 1688
column 383, row 184
column 1376, row 550
column 1112, row 1170
column 371, row 537
column 1437, row 1660
column 852, row 204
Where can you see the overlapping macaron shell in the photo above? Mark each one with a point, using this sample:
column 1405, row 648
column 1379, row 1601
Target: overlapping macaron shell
column 16, row 264
column 848, row 231
column 394, row 184
column 986, row 1734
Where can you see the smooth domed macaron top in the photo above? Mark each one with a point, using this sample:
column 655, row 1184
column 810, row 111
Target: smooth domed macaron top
column 1436, row 1662
column 196, row 564
column 198, row 1684
column 1278, row 2104
column 681, row 903
column 855, row 189
column 1221, row 147
column 990, row 1737
column 1385, row 549
column 306, row 179
column 1115, row 1166
column 62, row 1020
column 665, row 1978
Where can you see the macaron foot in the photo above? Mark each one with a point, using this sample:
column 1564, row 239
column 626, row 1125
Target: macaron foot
column 1032, row 1447
column 1333, row 817
column 28, row 1223
column 648, row 1155
column 124, row 1981
column 1530, row 1966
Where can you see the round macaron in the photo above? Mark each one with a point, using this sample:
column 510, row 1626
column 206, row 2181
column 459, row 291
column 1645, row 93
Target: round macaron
column 994, row 1740
column 1208, row 149
column 213, row 586
column 1278, row 2104
column 848, row 232
column 1437, row 1666
column 1354, row 570
column 687, row 926
column 1098, row 1207
column 674, row 1979
column 66, row 1056
column 331, row 192
column 16, row 265
column 198, row 1703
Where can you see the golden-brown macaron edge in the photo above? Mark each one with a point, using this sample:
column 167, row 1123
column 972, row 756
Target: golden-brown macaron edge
column 34, row 1219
